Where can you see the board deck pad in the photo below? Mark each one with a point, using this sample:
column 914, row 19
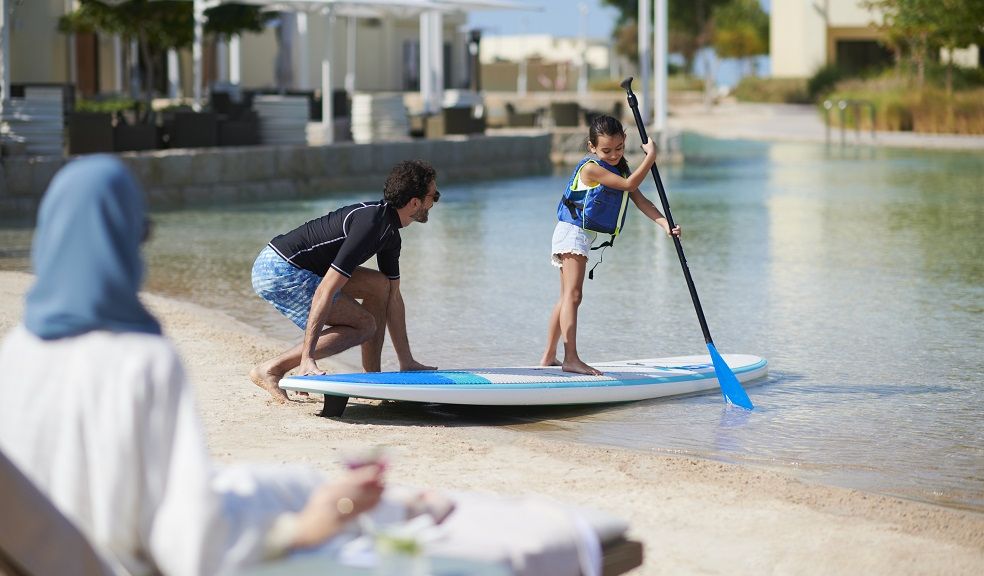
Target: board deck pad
column 622, row 381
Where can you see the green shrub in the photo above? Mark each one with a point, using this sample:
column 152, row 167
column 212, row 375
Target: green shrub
column 788, row 90
column 963, row 78
column 900, row 107
column 608, row 85
column 674, row 82
column 111, row 106
column 822, row 82
column 684, row 83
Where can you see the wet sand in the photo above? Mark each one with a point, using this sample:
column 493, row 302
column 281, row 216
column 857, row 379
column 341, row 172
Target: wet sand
column 693, row 516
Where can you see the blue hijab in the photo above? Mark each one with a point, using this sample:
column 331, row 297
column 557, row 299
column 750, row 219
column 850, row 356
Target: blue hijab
column 86, row 253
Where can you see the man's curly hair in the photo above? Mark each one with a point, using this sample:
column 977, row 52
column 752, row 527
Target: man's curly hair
column 408, row 179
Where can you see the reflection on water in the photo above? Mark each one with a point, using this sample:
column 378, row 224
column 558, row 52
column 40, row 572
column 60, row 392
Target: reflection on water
column 857, row 273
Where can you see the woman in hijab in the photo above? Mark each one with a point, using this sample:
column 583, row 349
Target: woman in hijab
column 96, row 412
column 95, row 409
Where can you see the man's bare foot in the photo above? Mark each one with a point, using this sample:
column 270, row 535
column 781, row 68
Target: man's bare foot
column 269, row 380
column 550, row 361
column 579, row 367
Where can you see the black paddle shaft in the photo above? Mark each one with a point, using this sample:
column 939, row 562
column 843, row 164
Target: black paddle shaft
column 634, row 104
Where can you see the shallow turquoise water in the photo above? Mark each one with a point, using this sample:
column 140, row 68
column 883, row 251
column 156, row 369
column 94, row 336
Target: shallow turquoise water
column 857, row 273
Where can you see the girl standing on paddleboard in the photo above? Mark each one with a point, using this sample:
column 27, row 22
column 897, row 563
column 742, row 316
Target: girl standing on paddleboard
column 594, row 202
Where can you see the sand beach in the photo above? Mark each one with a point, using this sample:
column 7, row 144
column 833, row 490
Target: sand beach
column 693, row 516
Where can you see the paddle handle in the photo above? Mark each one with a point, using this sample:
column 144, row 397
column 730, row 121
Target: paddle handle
column 634, row 105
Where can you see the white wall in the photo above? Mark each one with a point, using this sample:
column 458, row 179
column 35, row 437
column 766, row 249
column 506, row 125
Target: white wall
column 379, row 52
column 38, row 52
column 797, row 38
column 550, row 48
column 848, row 13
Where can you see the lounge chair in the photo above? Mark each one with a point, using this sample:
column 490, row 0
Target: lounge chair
column 454, row 121
column 516, row 119
column 36, row 539
column 565, row 114
column 472, row 551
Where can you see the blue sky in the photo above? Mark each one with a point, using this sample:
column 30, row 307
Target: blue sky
column 563, row 18
column 557, row 18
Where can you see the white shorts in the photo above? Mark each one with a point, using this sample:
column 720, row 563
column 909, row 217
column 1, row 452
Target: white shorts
column 570, row 239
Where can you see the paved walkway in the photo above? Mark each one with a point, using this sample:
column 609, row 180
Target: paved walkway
column 803, row 123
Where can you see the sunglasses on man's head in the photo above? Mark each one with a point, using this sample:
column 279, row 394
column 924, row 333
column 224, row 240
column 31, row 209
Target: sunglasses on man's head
column 436, row 196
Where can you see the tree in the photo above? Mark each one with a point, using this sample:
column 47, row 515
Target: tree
column 690, row 26
column 959, row 26
column 741, row 30
column 227, row 20
column 916, row 29
column 158, row 26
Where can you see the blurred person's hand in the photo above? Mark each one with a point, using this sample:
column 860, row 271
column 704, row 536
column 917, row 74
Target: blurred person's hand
column 336, row 503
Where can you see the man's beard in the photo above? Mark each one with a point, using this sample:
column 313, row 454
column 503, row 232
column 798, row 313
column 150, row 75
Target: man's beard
column 420, row 215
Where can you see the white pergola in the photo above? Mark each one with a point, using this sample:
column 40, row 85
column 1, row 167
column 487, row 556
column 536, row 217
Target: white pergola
column 430, row 12
column 4, row 55
column 658, row 39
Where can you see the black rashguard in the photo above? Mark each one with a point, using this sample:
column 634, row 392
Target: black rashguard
column 345, row 239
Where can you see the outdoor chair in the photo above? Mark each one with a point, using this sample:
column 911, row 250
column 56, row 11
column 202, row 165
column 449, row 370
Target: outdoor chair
column 35, row 538
column 240, row 130
column 617, row 110
column 90, row 132
column 515, row 119
column 130, row 137
column 194, row 130
column 220, row 102
column 453, row 121
column 616, row 113
column 565, row 114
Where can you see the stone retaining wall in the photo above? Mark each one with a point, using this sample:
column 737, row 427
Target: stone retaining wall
column 207, row 175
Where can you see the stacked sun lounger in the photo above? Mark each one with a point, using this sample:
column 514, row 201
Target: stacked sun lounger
column 283, row 119
column 379, row 118
column 35, row 121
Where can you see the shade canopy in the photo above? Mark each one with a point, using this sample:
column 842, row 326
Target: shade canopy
column 376, row 8
column 430, row 12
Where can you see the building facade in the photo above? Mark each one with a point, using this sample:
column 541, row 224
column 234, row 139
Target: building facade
column 385, row 54
column 806, row 35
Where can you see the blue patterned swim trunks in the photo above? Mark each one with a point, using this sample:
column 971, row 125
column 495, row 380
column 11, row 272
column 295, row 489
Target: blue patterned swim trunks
column 288, row 288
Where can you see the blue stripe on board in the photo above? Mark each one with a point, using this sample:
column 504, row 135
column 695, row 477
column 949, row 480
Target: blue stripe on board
column 440, row 378
column 462, row 379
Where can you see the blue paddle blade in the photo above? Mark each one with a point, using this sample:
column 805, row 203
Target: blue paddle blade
column 730, row 386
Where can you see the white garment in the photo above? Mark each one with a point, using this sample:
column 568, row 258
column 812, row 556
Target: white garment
column 570, row 239
column 106, row 426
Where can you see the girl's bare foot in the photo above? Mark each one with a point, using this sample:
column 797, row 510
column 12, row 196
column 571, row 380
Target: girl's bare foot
column 550, row 360
column 579, row 367
column 269, row 381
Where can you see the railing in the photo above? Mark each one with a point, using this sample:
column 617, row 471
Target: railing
column 855, row 106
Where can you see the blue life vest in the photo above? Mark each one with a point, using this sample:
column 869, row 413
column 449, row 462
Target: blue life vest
column 599, row 209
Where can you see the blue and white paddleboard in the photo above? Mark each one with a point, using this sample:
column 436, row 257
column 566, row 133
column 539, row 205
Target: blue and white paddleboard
column 621, row 382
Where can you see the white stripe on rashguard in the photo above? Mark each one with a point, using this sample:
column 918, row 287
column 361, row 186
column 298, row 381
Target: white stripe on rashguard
column 340, row 271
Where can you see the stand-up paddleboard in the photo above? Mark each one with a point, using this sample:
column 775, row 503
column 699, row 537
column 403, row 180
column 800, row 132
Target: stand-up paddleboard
column 624, row 381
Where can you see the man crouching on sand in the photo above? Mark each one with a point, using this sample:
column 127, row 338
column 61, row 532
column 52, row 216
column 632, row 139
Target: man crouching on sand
column 314, row 276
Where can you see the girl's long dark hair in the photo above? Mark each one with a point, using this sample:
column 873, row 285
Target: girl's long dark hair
column 603, row 125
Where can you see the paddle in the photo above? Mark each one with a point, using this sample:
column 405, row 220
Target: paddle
column 730, row 387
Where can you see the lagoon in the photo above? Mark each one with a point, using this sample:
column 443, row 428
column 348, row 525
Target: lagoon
column 857, row 272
